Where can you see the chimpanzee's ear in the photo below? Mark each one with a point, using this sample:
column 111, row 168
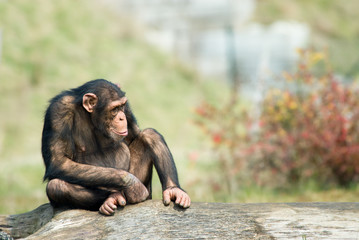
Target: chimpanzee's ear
column 89, row 101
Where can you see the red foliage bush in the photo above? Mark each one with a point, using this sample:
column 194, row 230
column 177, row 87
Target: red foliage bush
column 308, row 130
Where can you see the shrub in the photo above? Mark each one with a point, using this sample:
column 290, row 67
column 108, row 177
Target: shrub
column 308, row 129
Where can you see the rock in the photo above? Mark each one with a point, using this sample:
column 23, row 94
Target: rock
column 22, row 225
column 152, row 220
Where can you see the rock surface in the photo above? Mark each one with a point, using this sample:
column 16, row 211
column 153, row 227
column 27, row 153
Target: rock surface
column 152, row 220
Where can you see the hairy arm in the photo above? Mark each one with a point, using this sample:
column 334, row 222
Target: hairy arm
column 68, row 170
column 166, row 169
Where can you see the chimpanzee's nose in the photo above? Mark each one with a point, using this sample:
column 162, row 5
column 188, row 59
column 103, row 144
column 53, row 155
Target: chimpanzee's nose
column 122, row 116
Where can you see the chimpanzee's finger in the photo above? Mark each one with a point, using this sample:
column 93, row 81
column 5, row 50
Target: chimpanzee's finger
column 183, row 201
column 187, row 203
column 166, row 198
column 178, row 199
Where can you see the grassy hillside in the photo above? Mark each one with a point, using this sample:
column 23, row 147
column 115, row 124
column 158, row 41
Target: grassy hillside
column 49, row 46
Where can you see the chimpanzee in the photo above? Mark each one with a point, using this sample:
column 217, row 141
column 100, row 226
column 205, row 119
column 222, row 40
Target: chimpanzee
column 96, row 156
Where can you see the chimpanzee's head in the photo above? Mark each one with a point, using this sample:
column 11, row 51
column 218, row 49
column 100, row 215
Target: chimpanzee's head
column 106, row 104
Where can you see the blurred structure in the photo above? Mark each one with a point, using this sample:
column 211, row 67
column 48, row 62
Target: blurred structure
column 218, row 39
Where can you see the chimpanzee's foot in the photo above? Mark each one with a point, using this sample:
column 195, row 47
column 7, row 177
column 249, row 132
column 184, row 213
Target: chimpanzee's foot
column 110, row 204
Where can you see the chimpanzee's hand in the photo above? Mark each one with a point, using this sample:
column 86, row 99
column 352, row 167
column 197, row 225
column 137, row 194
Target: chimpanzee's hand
column 136, row 192
column 110, row 204
column 178, row 195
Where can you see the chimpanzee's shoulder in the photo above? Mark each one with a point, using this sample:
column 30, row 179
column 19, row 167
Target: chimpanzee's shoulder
column 61, row 108
column 63, row 101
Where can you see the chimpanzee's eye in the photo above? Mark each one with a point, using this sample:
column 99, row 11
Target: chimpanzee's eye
column 115, row 111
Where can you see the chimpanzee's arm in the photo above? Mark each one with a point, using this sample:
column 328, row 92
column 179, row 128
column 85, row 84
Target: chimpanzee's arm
column 86, row 175
column 167, row 173
column 91, row 176
column 163, row 160
column 150, row 147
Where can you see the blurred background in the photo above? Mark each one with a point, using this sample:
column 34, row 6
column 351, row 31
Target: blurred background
column 257, row 99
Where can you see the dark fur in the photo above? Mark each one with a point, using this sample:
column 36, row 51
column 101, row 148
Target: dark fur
column 78, row 151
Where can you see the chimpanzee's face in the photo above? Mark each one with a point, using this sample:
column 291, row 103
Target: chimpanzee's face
column 107, row 115
column 115, row 122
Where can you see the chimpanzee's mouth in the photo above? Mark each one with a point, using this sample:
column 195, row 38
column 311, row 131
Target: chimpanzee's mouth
column 123, row 133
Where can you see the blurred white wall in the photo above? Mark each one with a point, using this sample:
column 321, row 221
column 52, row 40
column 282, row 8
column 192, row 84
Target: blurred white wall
column 217, row 37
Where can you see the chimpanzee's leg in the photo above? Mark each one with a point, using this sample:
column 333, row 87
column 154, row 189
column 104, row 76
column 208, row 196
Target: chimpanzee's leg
column 62, row 193
column 148, row 149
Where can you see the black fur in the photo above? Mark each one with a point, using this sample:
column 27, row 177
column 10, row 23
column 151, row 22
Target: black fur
column 77, row 149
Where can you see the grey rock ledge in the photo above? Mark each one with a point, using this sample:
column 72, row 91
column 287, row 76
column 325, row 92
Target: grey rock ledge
column 152, row 220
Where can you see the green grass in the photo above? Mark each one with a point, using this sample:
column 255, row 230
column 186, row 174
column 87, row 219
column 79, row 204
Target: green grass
column 21, row 187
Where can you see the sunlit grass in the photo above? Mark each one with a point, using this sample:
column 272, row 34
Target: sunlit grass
column 21, row 187
column 60, row 45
